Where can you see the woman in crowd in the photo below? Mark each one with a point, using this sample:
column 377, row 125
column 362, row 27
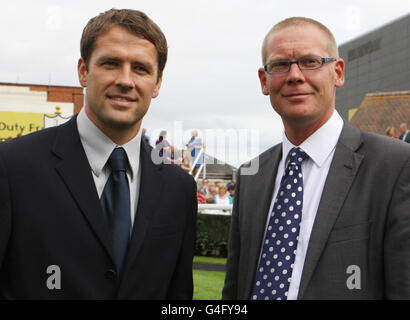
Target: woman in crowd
column 195, row 144
column 186, row 162
column 391, row 132
column 223, row 197
column 164, row 146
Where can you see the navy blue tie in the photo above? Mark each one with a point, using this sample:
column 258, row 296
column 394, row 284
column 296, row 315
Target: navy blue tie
column 115, row 201
column 275, row 267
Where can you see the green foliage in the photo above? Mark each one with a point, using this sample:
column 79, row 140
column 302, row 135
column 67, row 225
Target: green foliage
column 212, row 235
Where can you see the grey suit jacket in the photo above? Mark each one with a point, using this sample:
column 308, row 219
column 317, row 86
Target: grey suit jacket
column 360, row 242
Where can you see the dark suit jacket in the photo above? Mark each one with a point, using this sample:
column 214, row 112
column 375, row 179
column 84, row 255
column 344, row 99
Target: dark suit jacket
column 407, row 137
column 50, row 214
column 363, row 220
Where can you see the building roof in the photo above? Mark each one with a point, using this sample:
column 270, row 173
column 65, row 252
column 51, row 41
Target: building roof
column 54, row 93
column 378, row 61
column 381, row 110
column 217, row 169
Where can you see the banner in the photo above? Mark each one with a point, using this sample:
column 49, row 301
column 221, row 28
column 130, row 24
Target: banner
column 16, row 124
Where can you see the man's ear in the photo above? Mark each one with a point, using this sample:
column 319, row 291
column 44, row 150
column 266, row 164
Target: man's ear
column 82, row 72
column 263, row 80
column 340, row 73
column 157, row 87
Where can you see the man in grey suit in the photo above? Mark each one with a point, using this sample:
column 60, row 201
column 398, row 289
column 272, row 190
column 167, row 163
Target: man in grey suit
column 347, row 236
column 405, row 132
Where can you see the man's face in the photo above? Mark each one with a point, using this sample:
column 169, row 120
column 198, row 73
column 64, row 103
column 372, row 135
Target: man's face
column 121, row 80
column 301, row 98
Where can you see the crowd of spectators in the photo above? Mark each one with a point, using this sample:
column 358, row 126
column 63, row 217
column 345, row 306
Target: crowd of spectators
column 218, row 192
column 404, row 132
column 183, row 158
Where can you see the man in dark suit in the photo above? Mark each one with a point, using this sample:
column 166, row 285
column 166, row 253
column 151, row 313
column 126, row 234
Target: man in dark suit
column 405, row 132
column 85, row 213
column 327, row 214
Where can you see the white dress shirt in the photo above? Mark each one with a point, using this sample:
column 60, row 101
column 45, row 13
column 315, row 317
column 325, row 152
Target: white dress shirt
column 320, row 148
column 98, row 148
column 405, row 135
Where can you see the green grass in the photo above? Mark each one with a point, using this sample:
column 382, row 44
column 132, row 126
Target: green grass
column 212, row 260
column 208, row 284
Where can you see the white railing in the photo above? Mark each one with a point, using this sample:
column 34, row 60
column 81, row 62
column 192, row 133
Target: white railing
column 196, row 160
column 216, row 209
column 199, row 172
column 203, row 165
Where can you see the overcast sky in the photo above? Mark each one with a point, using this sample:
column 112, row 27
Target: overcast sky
column 210, row 81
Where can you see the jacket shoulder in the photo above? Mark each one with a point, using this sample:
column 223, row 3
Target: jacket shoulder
column 385, row 147
column 171, row 170
column 266, row 158
column 29, row 144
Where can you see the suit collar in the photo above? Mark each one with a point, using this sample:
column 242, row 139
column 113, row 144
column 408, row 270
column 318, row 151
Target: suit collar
column 98, row 147
column 351, row 137
column 151, row 191
column 260, row 191
column 322, row 142
column 75, row 171
column 342, row 172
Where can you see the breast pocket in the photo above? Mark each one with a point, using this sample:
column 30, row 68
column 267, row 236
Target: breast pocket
column 350, row 233
column 164, row 231
column 347, row 249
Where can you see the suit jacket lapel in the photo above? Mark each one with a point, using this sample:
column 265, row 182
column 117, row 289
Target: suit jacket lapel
column 75, row 171
column 151, row 190
column 260, row 199
column 342, row 172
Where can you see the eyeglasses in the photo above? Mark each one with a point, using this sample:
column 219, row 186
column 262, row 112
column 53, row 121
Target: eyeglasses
column 305, row 63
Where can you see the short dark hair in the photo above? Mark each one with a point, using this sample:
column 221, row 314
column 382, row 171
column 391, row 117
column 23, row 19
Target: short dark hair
column 135, row 21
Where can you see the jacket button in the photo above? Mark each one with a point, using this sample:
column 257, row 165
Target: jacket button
column 110, row 274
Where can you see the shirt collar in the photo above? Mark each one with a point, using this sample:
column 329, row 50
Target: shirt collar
column 98, row 147
column 321, row 143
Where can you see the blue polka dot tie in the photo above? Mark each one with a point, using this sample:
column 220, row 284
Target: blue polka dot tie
column 275, row 267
